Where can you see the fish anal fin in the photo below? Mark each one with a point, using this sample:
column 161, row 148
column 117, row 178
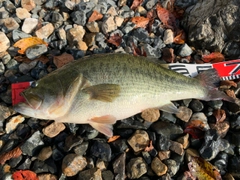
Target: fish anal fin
column 103, row 92
column 105, row 129
column 170, row 108
column 107, row 119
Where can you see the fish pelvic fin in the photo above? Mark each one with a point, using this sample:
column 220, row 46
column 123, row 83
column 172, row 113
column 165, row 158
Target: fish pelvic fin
column 210, row 79
column 170, row 108
column 105, row 129
column 103, row 92
column 108, row 119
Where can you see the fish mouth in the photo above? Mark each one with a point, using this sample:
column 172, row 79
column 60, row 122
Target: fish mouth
column 31, row 100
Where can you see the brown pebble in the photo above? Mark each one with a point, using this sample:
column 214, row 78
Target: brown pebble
column 45, row 31
column 47, row 177
column 184, row 113
column 12, row 124
column 53, row 129
column 177, row 147
column 150, row 115
column 221, row 127
column 28, row 4
column 72, row 164
column 45, row 153
column 62, row 59
column 164, row 155
column 139, row 140
column 184, row 141
column 158, row 167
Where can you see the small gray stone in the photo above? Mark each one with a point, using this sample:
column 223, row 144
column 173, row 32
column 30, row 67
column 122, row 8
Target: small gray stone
column 35, row 51
column 172, row 166
column 56, row 17
column 168, row 36
column 107, row 175
column 33, row 144
column 196, row 105
column 165, row 116
column 129, row 26
column 126, row 12
column 45, row 153
column 2, row 68
column 4, row 14
column 217, row 104
column 5, row 112
column 79, row 17
column 185, row 50
column 26, row 67
column 16, row 35
column 6, row 58
column 85, row 6
column 119, row 167
column 150, row 4
column 101, row 150
column 184, row 113
column 101, row 7
column 136, row 168
column 12, row 64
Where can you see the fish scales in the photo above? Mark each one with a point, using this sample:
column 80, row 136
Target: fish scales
column 101, row 89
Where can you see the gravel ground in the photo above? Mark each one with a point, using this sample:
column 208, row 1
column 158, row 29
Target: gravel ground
column 151, row 145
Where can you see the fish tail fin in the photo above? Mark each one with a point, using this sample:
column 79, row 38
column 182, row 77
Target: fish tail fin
column 210, row 79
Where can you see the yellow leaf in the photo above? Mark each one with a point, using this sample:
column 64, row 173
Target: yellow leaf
column 202, row 169
column 25, row 43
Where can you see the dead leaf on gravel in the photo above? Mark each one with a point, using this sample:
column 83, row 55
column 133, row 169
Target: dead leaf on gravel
column 24, row 175
column 140, row 22
column 116, row 40
column 25, row 43
column 180, row 38
column 220, row 115
column 227, row 84
column 16, row 152
column 113, row 138
column 166, row 17
column 150, row 147
column 201, row 169
column 95, row 16
column 213, row 57
column 135, row 4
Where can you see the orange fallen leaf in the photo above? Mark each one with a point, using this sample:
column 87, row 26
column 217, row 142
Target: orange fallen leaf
column 166, row 17
column 24, row 175
column 180, row 38
column 201, row 169
column 16, row 152
column 135, row 4
column 116, row 40
column 113, row 138
column 137, row 51
column 220, row 115
column 228, row 84
column 140, row 21
column 25, row 43
column 213, row 57
column 95, row 16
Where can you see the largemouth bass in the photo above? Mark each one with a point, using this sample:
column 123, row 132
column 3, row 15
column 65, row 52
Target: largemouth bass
column 101, row 89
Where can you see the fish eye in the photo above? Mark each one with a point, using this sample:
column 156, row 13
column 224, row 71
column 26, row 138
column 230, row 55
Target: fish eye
column 34, row 84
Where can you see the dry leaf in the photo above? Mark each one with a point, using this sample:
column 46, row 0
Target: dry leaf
column 22, row 59
column 16, row 152
column 63, row 59
column 166, row 17
column 137, row 51
column 25, row 43
column 116, row 40
column 230, row 93
column 202, row 169
column 194, row 132
column 95, row 16
column 135, row 4
column 24, row 175
column 140, row 21
column 180, row 38
column 220, row 115
column 150, row 147
column 213, row 57
column 227, row 84
column 113, row 138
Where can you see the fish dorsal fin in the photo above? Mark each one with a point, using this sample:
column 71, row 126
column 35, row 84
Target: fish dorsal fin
column 108, row 119
column 103, row 92
column 106, row 129
column 170, row 108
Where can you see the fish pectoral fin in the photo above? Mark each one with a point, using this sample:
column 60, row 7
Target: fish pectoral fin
column 108, row 119
column 170, row 108
column 103, row 92
column 105, row 129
